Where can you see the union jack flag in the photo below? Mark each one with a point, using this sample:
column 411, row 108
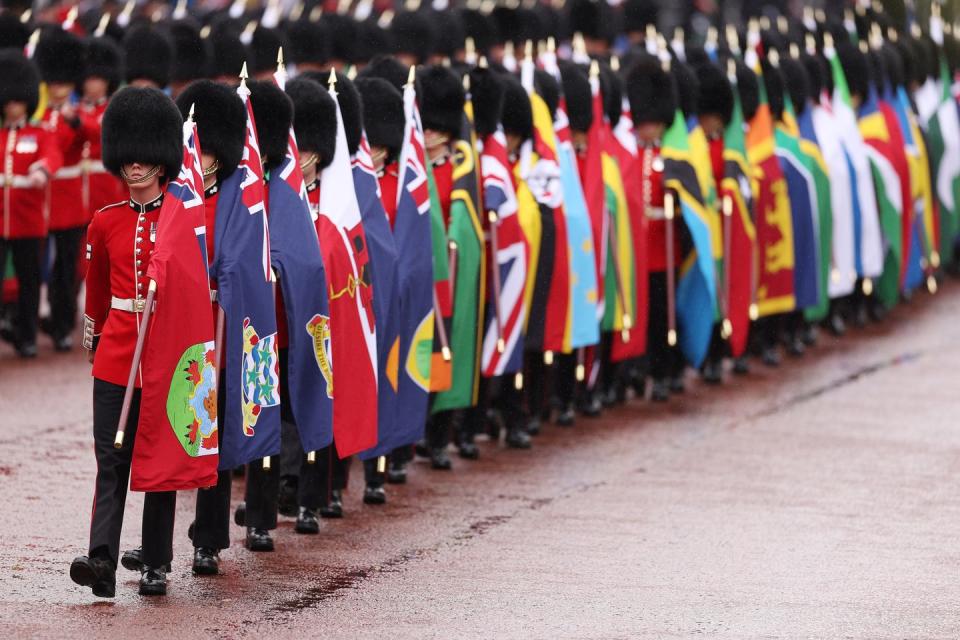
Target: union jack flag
column 252, row 185
column 412, row 162
column 291, row 172
column 188, row 185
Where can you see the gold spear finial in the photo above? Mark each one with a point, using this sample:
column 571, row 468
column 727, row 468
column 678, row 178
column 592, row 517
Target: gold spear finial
column 25, row 16
column 615, row 64
column 731, row 70
column 470, row 51
column 193, row 106
column 332, row 82
column 774, row 58
column 579, row 44
column 551, row 45
column 280, row 65
column 482, row 63
column 243, row 76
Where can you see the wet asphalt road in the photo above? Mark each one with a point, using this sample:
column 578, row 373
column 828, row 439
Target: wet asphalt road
column 819, row 500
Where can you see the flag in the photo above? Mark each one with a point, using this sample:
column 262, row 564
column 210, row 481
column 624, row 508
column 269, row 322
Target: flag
column 802, row 193
column 176, row 446
column 549, row 293
column 622, row 147
column 412, row 233
column 736, row 189
column 386, row 303
column 890, row 171
column 771, row 216
column 466, row 234
column 353, row 342
column 943, row 134
column 868, row 244
column 441, row 362
column 823, row 218
column 595, row 193
column 620, row 294
column 582, row 329
column 696, row 294
column 507, row 313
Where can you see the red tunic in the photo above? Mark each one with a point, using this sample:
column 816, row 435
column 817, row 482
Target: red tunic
column 26, row 148
column 651, row 186
column 100, row 187
column 65, row 189
column 443, row 178
column 389, row 183
column 120, row 241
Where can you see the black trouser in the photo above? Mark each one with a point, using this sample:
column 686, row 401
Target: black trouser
column 317, row 480
column 64, row 286
column 767, row 331
column 474, row 418
column 26, row 265
column 263, row 486
column 664, row 361
column 535, row 385
column 565, row 380
column 371, row 475
column 718, row 346
column 438, row 429
column 113, row 474
column 211, row 528
column 504, row 396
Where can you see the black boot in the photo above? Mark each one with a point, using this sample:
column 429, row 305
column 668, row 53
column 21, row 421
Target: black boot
column 96, row 573
column 659, row 391
column 153, row 582
column 517, row 438
column 439, row 459
column 287, row 499
column 567, row 417
column 131, row 560
column 307, row 521
column 333, row 508
column 713, row 372
column 397, row 472
column 258, row 540
column 770, row 357
column 374, row 495
column 240, row 514
column 741, row 366
column 206, row 561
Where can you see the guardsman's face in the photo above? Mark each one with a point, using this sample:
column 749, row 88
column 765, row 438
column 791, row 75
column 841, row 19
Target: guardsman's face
column 513, row 142
column 650, row 132
column 60, row 91
column 579, row 141
column 712, row 124
column 95, row 88
column 14, row 111
column 379, row 156
column 136, row 171
column 143, row 83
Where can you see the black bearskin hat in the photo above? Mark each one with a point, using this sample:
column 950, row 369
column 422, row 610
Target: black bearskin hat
column 273, row 113
column 716, row 94
column 192, row 52
column 13, row 33
column 388, row 68
column 611, row 87
column 481, row 28
column 20, row 80
column 351, row 108
column 576, row 91
column 142, row 125
column 148, row 53
column 383, row 116
column 517, row 114
column 748, row 86
column 855, row 68
column 650, row 91
column 264, row 46
column 592, row 18
column 314, row 119
column 441, row 103
column 309, row 43
column 103, row 59
column 221, row 121
column 688, row 88
column 816, row 71
column 414, row 34
column 893, row 63
column 229, row 53
column 451, row 37
column 529, row 27
column 486, row 92
column 343, row 31
column 878, row 71
column 637, row 14
column 797, row 83
column 547, row 88
column 773, row 83
column 372, row 41
column 59, row 56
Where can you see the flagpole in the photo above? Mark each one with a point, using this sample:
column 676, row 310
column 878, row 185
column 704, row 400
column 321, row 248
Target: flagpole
column 441, row 328
column 452, row 269
column 668, row 213
column 615, row 254
column 726, row 329
column 494, row 250
column 135, row 364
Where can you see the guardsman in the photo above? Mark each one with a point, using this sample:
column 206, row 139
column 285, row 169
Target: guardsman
column 653, row 104
column 59, row 55
column 221, row 126
column 30, row 157
column 315, row 126
column 148, row 53
column 441, row 109
column 142, row 144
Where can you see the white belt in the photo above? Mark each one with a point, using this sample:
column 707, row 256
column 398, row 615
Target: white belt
column 130, row 305
column 18, row 182
column 656, row 213
column 65, row 173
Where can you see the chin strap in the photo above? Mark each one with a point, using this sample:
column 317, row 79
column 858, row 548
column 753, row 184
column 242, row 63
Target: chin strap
column 312, row 159
column 147, row 176
column 212, row 169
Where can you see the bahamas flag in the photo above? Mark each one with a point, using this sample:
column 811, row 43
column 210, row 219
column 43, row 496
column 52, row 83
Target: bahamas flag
column 740, row 234
column 696, row 290
column 466, row 233
column 889, row 173
column 802, row 194
column 583, row 329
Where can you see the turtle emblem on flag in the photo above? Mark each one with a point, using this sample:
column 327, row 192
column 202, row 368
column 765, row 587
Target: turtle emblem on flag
column 192, row 401
column 319, row 330
column 261, row 375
